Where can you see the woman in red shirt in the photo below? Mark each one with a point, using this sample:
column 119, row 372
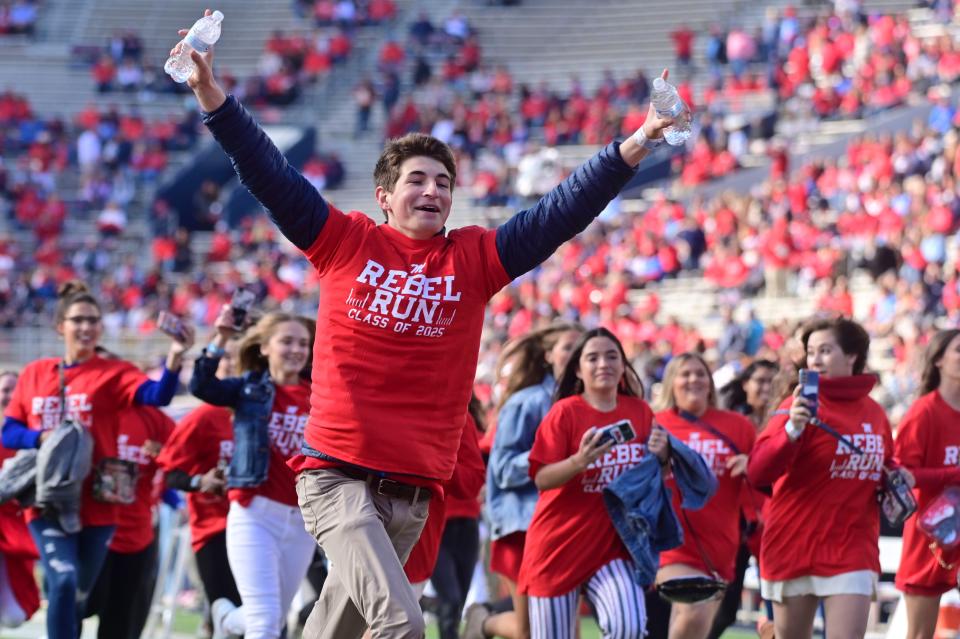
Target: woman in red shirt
column 572, row 546
column 122, row 593
column 267, row 545
column 711, row 535
column 820, row 538
column 91, row 391
column 928, row 444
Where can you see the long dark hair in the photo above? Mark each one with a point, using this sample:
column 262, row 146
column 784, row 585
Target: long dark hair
column 569, row 384
column 930, row 377
column 733, row 396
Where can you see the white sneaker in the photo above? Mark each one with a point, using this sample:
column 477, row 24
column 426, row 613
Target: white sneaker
column 219, row 610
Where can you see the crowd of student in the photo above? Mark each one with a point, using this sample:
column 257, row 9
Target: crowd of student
column 772, row 477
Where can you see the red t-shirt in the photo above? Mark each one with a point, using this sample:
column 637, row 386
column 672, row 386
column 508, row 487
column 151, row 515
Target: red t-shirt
column 202, row 440
column 398, row 336
column 96, row 391
column 138, row 425
column 823, row 518
column 928, row 444
column 571, row 536
column 468, row 477
column 291, row 410
column 716, row 525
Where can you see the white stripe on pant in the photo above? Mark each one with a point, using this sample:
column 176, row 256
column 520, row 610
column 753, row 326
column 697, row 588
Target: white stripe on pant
column 618, row 601
column 269, row 552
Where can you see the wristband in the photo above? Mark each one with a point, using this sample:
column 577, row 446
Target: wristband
column 213, row 350
column 195, row 483
column 640, row 137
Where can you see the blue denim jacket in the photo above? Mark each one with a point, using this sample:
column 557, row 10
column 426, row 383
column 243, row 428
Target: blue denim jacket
column 251, row 397
column 511, row 494
column 639, row 506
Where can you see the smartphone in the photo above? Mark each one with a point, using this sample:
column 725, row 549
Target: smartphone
column 810, row 388
column 618, row 432
column 171, row 325
column 240, row 306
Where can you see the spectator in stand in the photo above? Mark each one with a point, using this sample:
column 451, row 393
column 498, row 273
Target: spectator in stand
column 363, row 96
column 928, row 440
column 112, row 220
column 682, row 38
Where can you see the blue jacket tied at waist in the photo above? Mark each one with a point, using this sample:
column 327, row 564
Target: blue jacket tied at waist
column 640, row 505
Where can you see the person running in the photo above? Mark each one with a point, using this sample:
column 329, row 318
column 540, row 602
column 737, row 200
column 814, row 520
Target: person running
column 571, row 544
column 535, row 362
column 268, row 549
column 123, row 591
column 19, row 595
column 195, row 459
column 749, row 394
column 409, row 292
column 928, row 444
column 92, row 391
column 711, row 535
column 821, row 534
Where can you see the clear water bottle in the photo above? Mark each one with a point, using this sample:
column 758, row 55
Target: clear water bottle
column 202, row 35
column 669, row 104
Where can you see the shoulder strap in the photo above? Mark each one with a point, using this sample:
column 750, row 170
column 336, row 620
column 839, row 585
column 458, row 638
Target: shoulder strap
column 63, row 392
column 693, row 419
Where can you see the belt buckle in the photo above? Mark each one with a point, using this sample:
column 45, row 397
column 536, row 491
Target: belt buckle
column 392, row 485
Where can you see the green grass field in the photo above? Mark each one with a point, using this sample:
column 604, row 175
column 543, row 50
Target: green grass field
column 187, row 623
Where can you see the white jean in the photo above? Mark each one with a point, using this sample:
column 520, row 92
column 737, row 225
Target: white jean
column 269, row 552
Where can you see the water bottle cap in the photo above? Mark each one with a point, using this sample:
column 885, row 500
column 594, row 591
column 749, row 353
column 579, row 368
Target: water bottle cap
column 217, row 15
column 659, row 84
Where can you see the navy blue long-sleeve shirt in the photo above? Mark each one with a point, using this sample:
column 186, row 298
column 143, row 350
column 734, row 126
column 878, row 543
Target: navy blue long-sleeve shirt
column 523, row 242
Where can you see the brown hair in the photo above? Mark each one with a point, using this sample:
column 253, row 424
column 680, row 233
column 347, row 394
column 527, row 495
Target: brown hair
column 70, row 293
column 667, row 400
column 249, row 357
column 528, row 355
column 399, row 150
column 930, row 377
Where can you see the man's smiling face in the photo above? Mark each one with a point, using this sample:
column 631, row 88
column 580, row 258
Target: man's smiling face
column 420, row 202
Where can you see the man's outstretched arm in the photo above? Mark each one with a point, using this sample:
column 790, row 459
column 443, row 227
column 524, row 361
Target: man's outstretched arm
column 293, row 204
column 531, row 236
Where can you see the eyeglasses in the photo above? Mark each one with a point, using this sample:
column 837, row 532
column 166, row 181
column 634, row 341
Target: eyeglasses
column 83, row 319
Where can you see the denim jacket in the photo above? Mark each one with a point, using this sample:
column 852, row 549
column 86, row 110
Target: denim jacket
column 251, row 397
column 511, row 494
column 640, row 508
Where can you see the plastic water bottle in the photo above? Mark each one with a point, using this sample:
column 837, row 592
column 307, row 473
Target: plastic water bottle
column 669, row 104
column 202, row 35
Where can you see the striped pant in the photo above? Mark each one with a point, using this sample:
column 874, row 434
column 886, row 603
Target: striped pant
column 618, row 601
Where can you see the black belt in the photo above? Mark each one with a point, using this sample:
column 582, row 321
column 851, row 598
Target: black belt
column 386, row 486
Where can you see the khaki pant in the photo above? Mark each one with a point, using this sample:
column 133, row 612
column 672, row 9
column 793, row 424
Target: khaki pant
column 367, row 538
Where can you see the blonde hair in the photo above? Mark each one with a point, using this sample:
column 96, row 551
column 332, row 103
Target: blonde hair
column 249, row 357
column 667, row 400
